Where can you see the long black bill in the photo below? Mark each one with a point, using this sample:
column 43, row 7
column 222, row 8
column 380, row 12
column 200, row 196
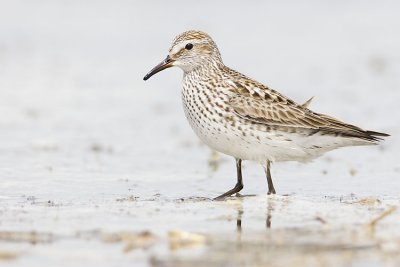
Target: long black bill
column 167, row 63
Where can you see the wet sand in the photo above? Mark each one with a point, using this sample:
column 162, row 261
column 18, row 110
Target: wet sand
column 240, row 231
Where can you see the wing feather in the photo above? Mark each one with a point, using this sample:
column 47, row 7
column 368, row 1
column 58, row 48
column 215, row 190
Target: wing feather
column 255, row 102
column 275, row 113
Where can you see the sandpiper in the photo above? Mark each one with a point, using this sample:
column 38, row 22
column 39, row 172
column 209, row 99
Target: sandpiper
column 243, row 118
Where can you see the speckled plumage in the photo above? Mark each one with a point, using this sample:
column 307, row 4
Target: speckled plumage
column 241, row 117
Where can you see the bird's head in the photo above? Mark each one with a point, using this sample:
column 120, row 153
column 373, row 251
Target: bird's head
column 189, row 50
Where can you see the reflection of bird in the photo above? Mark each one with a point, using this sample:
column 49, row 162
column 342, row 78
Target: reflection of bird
column 241, row 117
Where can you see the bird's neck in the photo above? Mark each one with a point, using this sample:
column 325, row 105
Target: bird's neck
column 206, row 70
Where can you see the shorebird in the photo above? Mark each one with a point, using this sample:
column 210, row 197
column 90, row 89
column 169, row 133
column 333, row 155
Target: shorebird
column 240, row 117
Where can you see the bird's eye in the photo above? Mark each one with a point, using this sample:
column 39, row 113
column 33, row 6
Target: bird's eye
column 189, row 46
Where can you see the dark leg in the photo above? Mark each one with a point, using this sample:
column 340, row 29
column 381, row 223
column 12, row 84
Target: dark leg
column 239, row 184
column 271, row 189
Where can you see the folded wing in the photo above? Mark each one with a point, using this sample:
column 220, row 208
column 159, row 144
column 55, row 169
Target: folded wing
column 266, row 106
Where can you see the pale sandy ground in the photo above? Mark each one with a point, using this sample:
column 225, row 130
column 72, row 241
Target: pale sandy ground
column 98, row 168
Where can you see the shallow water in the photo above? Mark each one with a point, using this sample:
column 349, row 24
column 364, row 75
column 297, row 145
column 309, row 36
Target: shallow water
column 100, row 168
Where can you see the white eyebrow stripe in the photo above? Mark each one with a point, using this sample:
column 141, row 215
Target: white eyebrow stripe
column 182, row 45
column 176, row 49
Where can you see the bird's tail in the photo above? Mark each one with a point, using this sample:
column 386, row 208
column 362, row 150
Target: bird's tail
column 376, row 136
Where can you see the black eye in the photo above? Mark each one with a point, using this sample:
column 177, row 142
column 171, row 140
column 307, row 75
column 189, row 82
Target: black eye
column 189, row 46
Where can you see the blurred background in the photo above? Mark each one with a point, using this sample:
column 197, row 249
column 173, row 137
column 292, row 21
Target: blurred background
column 79, row 127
